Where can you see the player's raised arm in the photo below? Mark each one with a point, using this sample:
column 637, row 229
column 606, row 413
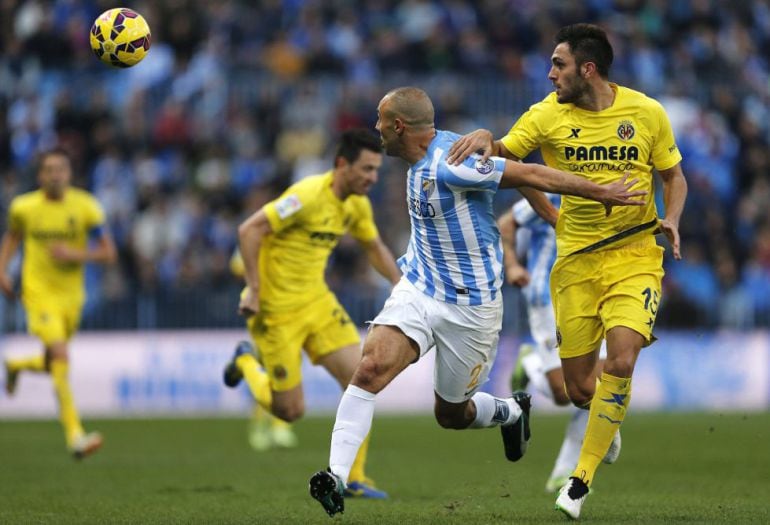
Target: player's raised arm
column 250, row 235
column 554, row 181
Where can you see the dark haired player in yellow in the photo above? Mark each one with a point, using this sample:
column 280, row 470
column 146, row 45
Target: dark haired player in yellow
column 606, row 282
column 55, row 223
column 285, row 247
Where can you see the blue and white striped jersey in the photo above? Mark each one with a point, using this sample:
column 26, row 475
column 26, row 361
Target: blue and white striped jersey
column 454, row 254
column 541, row 250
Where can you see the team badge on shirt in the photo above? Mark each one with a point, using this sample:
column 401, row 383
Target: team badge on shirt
column 626, row 130
column 288, row 206
column 485, row 167
column 428, row 186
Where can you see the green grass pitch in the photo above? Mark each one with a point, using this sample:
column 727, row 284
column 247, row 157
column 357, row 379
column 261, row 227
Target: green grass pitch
column 674, row 468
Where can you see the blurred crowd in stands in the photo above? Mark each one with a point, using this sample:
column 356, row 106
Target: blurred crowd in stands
column 237, row 99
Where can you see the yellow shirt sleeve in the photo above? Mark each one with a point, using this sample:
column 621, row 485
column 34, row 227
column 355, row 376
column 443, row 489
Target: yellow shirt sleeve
column 665, row 153
column 526, row 134
column 16, row 217
column 94, row 213
column 363, row 228
column 289, row 208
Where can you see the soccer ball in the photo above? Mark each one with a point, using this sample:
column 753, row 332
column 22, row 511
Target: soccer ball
column 120, row 37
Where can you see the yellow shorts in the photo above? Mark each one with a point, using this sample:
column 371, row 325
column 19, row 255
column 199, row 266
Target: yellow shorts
column 52, row 323
column 597, row 291
column 321, row 328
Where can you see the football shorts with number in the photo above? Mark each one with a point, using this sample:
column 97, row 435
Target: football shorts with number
column 596, row 291
column 321, row 327
column 52, row 322
column 465, row 337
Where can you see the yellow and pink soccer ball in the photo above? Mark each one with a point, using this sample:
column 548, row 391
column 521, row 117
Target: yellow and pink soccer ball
column 120, row 37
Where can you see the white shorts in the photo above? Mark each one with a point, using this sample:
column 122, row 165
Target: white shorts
column 542, row 326
column 465, row 337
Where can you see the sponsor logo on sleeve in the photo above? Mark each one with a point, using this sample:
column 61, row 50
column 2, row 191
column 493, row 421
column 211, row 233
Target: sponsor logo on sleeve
column 288, row 206
column 485, row 167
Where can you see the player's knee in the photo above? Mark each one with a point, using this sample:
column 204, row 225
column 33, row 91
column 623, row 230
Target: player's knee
column 620, row 366
column 368, row 374
column 580, row 394
column 289, row 413
column 57, row 351
column 560, row 397
column 451, row 415
column 449, row 420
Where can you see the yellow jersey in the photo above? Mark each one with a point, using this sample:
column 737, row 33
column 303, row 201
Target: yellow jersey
column 634, row 135
column 307, row 221
column 42, row 222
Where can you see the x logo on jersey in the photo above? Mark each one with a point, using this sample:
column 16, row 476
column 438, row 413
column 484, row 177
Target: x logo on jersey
column 575, row 133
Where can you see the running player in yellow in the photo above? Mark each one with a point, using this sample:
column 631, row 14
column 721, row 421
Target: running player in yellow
column 285, row 248
column 606, row 282
column 265, row 430
column 55, row 224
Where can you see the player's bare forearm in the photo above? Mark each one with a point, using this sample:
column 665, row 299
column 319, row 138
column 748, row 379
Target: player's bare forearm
column 507, row 226
column 104, row 252
column 250, row 235
column 8, row 248
column 674, row 192
column 674, row 196
column 381, row 259
column 541, row 204
column 515, row 274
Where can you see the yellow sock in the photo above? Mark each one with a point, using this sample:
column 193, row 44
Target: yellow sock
column 35, row 363
column 357, row 469
column 608, row 409
column 257, row 379
column 277, row 423
column 68, row 414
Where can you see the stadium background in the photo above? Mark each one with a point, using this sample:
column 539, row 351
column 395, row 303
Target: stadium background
column 238, row 99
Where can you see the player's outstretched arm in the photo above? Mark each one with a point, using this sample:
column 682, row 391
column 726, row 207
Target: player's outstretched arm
column 8, row 248
column 381, row 259
column 554, row 181
column 674, row 195
column 479, row 141
column 251, row 232
column 515, row 273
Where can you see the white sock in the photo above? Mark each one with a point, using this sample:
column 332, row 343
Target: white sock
column 492, row 411
column 533, row 366
column 570, row 447
column 354, row 419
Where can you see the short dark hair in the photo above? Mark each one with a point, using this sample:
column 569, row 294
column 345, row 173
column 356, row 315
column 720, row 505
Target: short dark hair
column 58, row 150
column 353, row 141
column 588, row 43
